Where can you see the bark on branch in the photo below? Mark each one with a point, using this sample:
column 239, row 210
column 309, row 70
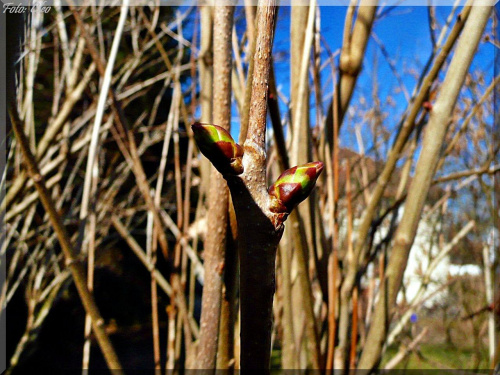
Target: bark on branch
column 215, row 244
column 259, row 229
column 260, row 213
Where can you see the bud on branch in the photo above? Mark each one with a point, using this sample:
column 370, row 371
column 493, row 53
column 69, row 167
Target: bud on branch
column 219, row 147
column 293, row 186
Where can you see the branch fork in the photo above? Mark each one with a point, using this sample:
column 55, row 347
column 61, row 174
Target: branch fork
column 261, row 213
column 228, row 157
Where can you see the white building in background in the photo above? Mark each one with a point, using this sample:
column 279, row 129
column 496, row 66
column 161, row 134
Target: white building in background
column 420, row 283
column 425, row 249
column 465, row 269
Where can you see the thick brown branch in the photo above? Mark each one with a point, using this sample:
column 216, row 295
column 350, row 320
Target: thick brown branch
column 260, row 214
column 259, row 230
column 258, row 238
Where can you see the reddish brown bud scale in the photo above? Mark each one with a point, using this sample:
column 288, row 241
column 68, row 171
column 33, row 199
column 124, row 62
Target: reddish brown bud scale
column 226, row 148
column 219, row 147
column 289, row 193
column 293, row 186
column 312, row 173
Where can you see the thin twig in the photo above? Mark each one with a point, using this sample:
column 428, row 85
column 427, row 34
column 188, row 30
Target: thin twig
column 92, row 175
column 74, row 265
column 403, row 352
column 425, row 169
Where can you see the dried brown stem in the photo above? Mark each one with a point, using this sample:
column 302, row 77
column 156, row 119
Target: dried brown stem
column 76, row 268
column 215, row 243
column 125, row 137
column 360, row 249
column 274, row 114
column 351, row 58
column 404, row 352
column 229, row 311
column 250, row 15
column 354, row 332
column 302, row 26
column 425, row 169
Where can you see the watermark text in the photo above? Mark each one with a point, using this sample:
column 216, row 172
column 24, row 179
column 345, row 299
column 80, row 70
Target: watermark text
column 36, row 7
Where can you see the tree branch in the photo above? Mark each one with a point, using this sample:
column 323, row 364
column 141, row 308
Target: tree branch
column 417, row 194
column 351, row 58
column 76, row 268
column 215, row 243
column 406, row 129
column 260, row 213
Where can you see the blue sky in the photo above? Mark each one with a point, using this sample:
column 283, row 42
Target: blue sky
column 400, row 43
column 404, row 31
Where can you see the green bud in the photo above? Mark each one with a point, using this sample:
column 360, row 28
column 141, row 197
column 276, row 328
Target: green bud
column 293, row 186
column 219, row 147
